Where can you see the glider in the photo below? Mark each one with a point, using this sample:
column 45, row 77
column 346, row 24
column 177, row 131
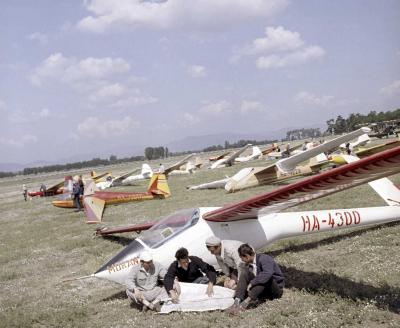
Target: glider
column 284, row 169
column 230, row 159
column 115, row 181
column 260, row 220
column 94, row 201
column 59, row 188
column 256, row 154
column 145, row 174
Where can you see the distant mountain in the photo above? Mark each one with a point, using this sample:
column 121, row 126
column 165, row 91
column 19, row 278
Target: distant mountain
column 201, row 142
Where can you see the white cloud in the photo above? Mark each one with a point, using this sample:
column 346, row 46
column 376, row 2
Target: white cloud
column 93, row 127
column 280, row 48
column 172, row 13
column 190, row 119
column 196, row 71
column 291, row 59
column 277, row 39
column 19, row 142
column 132, row 101
column 251, row 107
column 108, row 92
column 44, row 113
column 391, row 89
column 76, row 72
column 39, row 37
column 216, row 109
column 311, row 99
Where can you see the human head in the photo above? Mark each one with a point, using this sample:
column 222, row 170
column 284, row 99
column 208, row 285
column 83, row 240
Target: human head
column 182, row 255
column 213, row 244
column 146, row 260
column 246, row 253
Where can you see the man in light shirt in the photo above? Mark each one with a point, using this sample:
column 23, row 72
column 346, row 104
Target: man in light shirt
column 228, row 259
column 143, row 283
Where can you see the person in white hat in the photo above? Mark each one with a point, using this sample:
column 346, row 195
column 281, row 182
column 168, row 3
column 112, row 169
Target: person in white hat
column 143, row 283
column 226, row 253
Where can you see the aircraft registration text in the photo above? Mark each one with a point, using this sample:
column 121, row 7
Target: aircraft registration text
column 334, row 220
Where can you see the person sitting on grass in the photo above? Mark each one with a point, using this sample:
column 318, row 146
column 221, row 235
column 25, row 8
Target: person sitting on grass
column 143, row 283
column 261, row 280
column 188, row 269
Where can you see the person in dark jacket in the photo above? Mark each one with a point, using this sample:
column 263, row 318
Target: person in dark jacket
column 189, row 269
column 76, row 195
column 262, row 279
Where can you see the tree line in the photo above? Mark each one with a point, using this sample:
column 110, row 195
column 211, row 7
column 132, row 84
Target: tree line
column 334, row 126
column 354, row 121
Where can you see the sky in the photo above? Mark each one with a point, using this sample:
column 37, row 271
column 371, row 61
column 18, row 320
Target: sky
column 84, row 77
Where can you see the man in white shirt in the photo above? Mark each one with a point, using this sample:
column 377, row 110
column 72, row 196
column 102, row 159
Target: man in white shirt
column 143, row 283
column 226, row 253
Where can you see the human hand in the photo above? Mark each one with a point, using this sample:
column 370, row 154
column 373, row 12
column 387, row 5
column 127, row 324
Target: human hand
column 230, row 283
column 138, row 294
column 174, row 296
column 249, row 287
column 210, row 290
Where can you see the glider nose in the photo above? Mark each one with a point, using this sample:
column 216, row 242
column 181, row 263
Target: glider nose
column 117, row 268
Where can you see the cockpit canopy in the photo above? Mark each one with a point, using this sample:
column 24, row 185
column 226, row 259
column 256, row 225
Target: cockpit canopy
column 170, row 226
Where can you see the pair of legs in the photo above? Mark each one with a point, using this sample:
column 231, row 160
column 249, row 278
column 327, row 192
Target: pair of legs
column 149, row 298
column 270, row 290
column 77, row 202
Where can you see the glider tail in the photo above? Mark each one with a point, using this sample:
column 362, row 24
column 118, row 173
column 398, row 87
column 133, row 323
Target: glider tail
column 159, row 185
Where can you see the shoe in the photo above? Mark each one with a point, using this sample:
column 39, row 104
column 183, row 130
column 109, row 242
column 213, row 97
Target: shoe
column 235, row 309
column 157, row 307
column 130, row 295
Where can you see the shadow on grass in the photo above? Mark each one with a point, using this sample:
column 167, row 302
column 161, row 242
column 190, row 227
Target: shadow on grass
column 385, row 297
column 124, row 241
column 329, row 240
column 121, row 296
column 117, row 296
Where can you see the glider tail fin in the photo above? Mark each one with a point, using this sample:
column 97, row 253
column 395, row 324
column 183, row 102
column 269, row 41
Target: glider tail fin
column 385, row 188
column 159, row 185
column 94, row 208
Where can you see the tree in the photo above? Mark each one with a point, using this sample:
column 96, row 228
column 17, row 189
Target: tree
column 148, row 153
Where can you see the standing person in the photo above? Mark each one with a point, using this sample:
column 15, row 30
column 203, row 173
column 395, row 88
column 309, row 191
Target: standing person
column 161, row 168
column 81, row 186
column 263, row 279
column 189, row 269
column 76, row 194
column 25, row 191
column 143, row 283
column 43, row 189
column 228, row 259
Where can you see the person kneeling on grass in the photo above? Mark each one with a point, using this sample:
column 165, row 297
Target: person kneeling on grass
column 261, row 280
column 228, row 259
column 188, row 269
column 143, row 283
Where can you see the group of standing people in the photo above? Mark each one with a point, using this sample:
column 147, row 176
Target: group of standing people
column 254, row 277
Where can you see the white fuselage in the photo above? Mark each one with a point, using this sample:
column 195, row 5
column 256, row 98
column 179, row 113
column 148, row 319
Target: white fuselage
column 258, row 232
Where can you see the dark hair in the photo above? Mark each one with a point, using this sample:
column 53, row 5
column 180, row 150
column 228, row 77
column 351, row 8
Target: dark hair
column 182, row 253
column 245, row 249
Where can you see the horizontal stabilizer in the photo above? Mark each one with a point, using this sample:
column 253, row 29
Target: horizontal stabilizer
column 128, row 228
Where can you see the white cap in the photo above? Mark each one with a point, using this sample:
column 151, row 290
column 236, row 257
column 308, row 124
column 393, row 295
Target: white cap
column 146, row 256
column 213, row 241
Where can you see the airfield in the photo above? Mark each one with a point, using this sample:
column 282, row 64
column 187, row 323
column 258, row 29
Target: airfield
column 346, row 278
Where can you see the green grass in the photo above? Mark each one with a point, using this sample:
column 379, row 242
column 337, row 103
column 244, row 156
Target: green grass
column 334, row 279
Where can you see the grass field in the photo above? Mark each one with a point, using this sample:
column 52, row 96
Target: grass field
column 347, row 278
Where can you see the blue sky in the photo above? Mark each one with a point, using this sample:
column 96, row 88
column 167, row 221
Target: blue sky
column 80, row 76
